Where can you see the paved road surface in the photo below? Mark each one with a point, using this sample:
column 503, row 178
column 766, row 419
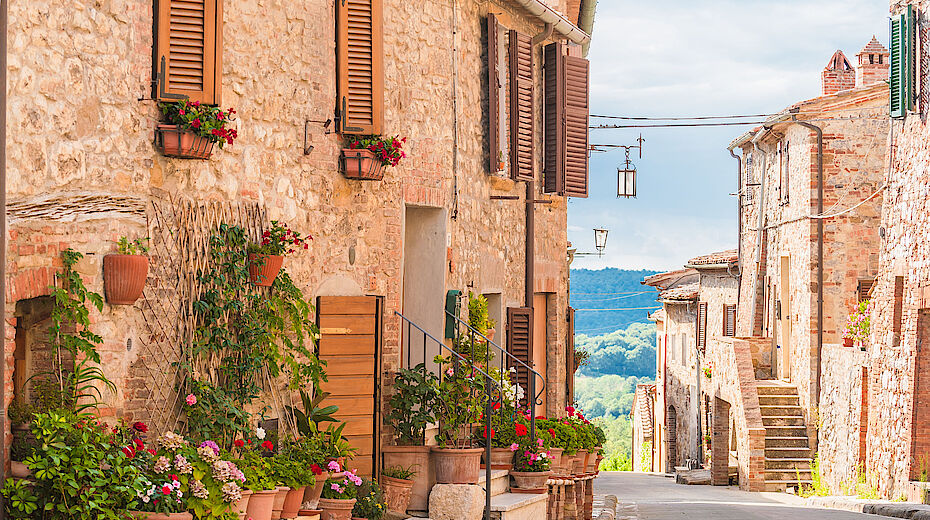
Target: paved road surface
column 659, row 498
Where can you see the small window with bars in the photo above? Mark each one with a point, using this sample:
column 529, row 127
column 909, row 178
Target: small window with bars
column 702, row 325
column 729, row 320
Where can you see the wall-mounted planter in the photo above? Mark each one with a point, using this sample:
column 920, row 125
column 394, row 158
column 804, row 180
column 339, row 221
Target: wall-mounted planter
column 124, row 278
column 263, row 269
column 361, row 164
column 173, row 141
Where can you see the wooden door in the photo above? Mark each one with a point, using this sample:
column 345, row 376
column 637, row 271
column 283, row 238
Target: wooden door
column 540, row 333
column 784, row 361
column 350, row 339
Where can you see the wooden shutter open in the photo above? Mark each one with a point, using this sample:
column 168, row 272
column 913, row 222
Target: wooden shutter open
column 576, row 126
column 729, row 320
column 567, row 80
column 359, row 63
column 522, row 118
column 494, row 96
column 902, row 78
column 702, row 325
column 554, row 116
column 897, row 60
column 864, row 288
column 519, row 343
column 189, row 50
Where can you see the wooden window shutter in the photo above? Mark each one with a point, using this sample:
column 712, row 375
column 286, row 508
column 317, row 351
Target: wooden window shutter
column 897, row 73
column 864, row 288
column 522, row 117
column 903, row 66
column 189, row 50
column 567, row 82
column 494, row 96
column 519, row 339
column 729, row 320
column 359, row 64
column 702, row 325
column 554, row 116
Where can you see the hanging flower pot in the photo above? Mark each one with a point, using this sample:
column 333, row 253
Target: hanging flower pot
column 263, row 269
column 457, row 465
column 124, row 278
column 191, row 129
column 361, row 164
column 174, row 141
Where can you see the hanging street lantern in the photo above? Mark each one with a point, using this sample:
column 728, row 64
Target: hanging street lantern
column 600, row 240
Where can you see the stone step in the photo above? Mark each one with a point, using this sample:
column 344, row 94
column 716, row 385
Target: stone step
column 773, row 388
column 787, row 442
column 783, row 420
column 785, row 431
column 779, row 400
column 519, row 506
column 500, row 481
column 783, row 452
column 779, row 486
column 781, row 411
column 788, row 463
column 787, row 474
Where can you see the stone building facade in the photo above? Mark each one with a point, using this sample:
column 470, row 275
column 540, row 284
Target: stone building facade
column 83, row 171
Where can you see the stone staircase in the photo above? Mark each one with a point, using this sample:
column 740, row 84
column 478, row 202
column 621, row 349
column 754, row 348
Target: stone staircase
column 513, row 506
column 787, row 446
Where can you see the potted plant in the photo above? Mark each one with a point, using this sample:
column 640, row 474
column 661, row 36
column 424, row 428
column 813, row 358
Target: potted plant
column 459, row 407
column 416, row 392
column 708, row 369
column 857, row 325
column 581, row 357
column 191, row 129
column 293, row 466
column 259, row 480
column 366, row 157
column 397, row 482
column 339, row 497
column 124, row 273
column 531, row 468
column 478, row 316
column 369, row 504
column 161, row 498
column 266, row 258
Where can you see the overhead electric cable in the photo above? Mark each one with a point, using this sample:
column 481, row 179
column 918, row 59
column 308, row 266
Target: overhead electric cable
column 617, row 310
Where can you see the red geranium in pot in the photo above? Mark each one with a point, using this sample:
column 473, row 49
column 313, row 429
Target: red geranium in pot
column 191, row 129
column 266, row 258
column 366, row 157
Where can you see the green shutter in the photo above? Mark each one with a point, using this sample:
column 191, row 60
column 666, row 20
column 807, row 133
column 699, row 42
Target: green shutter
column 910, row 63
column 897, row 104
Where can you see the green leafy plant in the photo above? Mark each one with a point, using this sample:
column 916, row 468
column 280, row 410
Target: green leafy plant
column 857, row 324
column 386, row 149
column 257, row 470
column 459, row 404
column 399, row 472
column 370, row 501
column 582, row 357
column 562, row 433
column 280, row 240
column 531, row 459
column 478, row 316
column 817, row 487
column 308, row 420
column 204, row 120
column 137, row 246
column 416, row 394
column 289, row 472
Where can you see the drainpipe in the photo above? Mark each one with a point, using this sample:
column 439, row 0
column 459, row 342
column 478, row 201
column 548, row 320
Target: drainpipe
column 739, row 223
column 3, row 234
column 562, row 25
column 586, row 21
column 819, row 132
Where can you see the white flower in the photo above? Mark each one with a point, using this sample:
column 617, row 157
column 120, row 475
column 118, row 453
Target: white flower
column 260, row 433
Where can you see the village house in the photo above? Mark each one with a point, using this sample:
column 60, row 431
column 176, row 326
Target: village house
column 491, row 99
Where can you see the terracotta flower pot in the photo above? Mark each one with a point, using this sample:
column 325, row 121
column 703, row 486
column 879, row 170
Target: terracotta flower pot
column 311, row 514
column 124, row 278
column 580, row 462
column 490, row 334
column 501, row 458
column 260, row 504
column 361, row 164
column 312, row 493
column 19, row 470
column 336, row 508
column 176, row 142
column 278, row 504
column 555, row 456
column 535, row 480
column 591, row 465
column 396, row 493
column 292, row 501
column 457, row 465
column 848, row 342
column 239, row 506
column 417, row 458
column 142, row 515
column 263, row 269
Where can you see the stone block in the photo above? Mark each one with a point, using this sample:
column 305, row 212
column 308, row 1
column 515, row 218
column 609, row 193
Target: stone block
column 456, row 502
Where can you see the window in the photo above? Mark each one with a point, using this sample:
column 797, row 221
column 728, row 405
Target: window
column 189, row 50
column 683, row 343
column 903, row 30
column 519, row 336
column 566, row 122
column 784, row 173
column 359, row 67
column 864, row 288
column 702, row 325
column 747, row 180
column 729, row 320
column 898, row 313
column 672, row 347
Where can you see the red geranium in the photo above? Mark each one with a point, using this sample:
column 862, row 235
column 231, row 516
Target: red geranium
column 166, row 490
column 520, row 429
column 485, row 434
column 129, row 451
column 140, row 427
column 239, row 443
column 268, row 445
column 552, row 432
column 316, row 469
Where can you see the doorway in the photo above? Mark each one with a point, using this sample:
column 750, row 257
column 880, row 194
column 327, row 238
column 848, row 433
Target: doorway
column 424, row 280
column 540, row 336
column 784, row 358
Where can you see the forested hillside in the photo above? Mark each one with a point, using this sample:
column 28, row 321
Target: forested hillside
column 609, row 289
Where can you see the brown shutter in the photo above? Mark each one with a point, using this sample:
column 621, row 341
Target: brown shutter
column 519, row 337
column 359, row 62
column 494, row 94
column 729, row 320
column 576, row 126
column 522, row 93
column 553, row 116
column 702, row 325
column 189, row 50
column 865, row 287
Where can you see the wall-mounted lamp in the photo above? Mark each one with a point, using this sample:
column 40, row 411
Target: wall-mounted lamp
column 600, row 243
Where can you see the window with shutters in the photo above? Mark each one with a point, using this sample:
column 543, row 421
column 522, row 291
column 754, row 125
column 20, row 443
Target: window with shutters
column 522, row 115
column 496, row 97
column 748, row 178
column 729, row 320
column 864, row 288
column 784, row 171
column 702, row 325
column 359, row 63
column 188, row 50
column 903, row 62
column 566, row 112
column 519, row 342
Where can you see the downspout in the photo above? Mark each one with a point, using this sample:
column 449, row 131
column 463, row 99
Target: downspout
column 586, row 21
column 819, row 132
column 3, row 234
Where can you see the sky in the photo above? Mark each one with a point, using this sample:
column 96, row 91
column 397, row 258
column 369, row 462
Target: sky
column 694, row 58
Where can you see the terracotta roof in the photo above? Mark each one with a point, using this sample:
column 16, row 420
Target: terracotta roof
column 645, row 404
column 681, row 293
column 658, row 315
column 723, row 257
column 873, row 47
column 669, row 279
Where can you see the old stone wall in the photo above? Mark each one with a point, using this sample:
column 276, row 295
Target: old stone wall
column 81, row 123
column 680, row 385
column 840, row 414
column 717, row 288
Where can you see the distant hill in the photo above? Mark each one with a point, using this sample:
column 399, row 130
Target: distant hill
column 609, row 288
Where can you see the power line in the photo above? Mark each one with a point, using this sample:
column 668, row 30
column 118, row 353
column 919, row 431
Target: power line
column 608, row 293
column 731, row 123
column 617, row 310
column 738, row 116
column 591, row 300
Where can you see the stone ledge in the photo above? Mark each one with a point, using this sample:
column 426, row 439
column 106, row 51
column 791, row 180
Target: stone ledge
column 510, row 501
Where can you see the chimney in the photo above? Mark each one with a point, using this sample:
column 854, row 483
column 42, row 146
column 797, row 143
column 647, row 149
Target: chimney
column 873, row 64
column 838, row 75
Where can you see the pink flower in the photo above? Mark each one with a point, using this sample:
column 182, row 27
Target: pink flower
column 514, row 447
column 332, row 466
column 191, row 399
column 450, row 372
